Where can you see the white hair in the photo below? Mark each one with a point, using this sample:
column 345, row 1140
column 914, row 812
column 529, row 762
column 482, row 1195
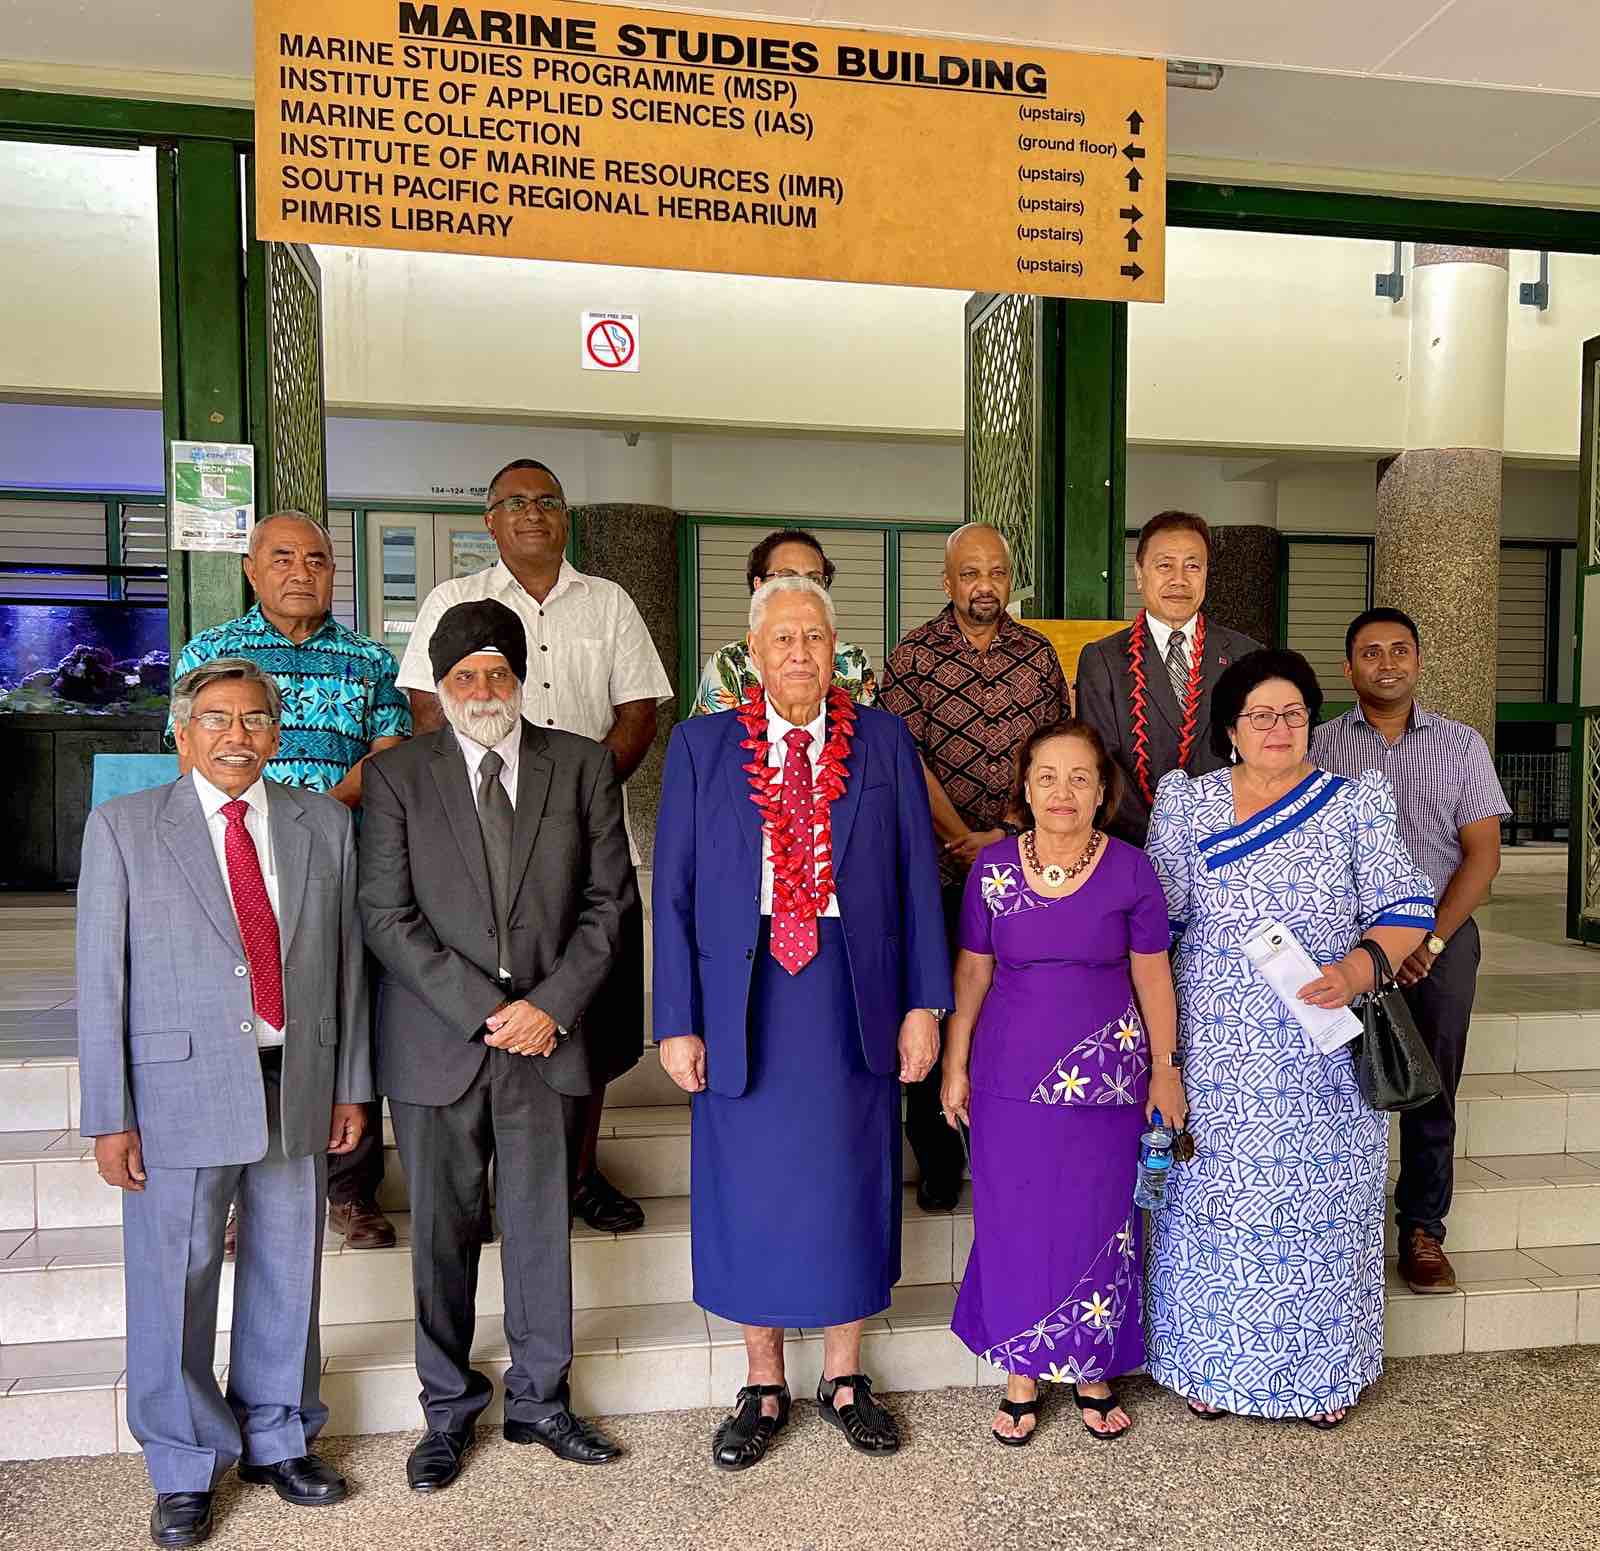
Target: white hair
column 767, row 591
column 972, row 527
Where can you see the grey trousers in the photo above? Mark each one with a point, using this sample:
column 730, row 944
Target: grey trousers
column 511, row 1118
column 172, row 1245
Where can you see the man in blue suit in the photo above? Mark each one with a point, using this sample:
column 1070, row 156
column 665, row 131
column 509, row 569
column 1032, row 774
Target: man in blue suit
column 800, row 970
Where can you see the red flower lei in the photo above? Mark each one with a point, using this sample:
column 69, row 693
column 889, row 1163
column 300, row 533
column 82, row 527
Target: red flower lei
column 1141, row 712
column 798, row 890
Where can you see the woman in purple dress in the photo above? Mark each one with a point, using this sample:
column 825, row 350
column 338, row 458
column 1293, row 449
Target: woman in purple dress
column 1061, row 973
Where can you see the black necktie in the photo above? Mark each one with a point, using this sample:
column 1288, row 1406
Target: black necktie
column 496, row 818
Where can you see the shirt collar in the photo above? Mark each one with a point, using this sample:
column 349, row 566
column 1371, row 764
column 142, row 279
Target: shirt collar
column 778, row 729
column 254, row 619
column 1008, row 627
column 1161, row 634
column 1421, row 718
column 507, row 748
column 568, row 578
column 213, row 798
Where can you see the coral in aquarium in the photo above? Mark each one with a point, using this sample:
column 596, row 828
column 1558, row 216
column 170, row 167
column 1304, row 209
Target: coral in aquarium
column 88, row 675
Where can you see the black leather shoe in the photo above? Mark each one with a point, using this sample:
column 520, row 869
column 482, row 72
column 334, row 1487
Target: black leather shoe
column 866, row 1425
column 939, row 1195
column 566, row 1436
column 741, row 1439
column 437, row 1459
column 307, row 1482
column 600, row 1204
column 181, row 1518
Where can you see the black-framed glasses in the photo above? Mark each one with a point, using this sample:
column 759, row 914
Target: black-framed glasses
column 1264, row 720
column 517, row 505
column 819, row 577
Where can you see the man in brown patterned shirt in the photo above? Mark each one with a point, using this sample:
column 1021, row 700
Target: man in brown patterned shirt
column 971, row 684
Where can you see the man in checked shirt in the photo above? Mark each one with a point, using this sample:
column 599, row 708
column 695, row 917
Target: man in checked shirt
column 1450, row 805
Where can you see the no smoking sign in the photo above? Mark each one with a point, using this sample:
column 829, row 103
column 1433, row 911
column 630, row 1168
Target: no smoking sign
column 609, row 341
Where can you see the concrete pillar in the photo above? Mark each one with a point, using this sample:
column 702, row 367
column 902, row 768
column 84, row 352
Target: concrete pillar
column 1242, row 591
column 635, row 545
column 1438, row 529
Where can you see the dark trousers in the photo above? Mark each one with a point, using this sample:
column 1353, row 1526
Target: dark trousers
column 1442, row 1008
column 354, row 1176
column 509, row 1117
column 937, row 1147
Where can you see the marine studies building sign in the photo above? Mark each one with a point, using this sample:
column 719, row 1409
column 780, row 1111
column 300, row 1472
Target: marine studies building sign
column 605, row 134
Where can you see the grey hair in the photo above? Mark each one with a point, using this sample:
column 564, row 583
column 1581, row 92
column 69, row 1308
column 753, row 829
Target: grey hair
column 310, row 522
column 187, row 690
column 767, row 591
column 969, row 527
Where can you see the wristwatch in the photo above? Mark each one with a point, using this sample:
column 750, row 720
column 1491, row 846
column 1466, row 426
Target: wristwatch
column 1434, row 943
column 1173, row 1059
column 936, row 1013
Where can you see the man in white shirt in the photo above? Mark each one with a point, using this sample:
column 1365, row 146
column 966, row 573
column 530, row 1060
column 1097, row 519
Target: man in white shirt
column 592, row 670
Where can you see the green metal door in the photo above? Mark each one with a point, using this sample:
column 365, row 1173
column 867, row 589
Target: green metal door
column 1583, row 865
column 287, row 415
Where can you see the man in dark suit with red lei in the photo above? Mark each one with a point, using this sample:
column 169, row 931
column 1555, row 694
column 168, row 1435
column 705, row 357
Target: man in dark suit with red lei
column 1147, row 689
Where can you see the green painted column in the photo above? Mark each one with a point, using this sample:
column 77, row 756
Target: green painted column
column 1084, row 555
column 203, row 363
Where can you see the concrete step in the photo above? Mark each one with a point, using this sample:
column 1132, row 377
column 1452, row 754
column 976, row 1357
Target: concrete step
column 69, row 1398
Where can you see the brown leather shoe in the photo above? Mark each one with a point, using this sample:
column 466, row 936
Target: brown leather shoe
column 363, row 1225
column 1424, row 1264
column 230, row 1234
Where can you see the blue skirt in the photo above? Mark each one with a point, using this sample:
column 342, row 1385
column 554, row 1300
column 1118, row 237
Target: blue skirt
column 795, row 1185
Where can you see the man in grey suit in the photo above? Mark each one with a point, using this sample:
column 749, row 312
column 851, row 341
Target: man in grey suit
column 1147, row 689
column 223, row 1050
column 494, row 881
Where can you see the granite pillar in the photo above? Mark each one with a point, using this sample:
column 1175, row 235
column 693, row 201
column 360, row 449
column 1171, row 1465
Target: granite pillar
column 1242, row 589
column 636, row 546
column 1438, row 527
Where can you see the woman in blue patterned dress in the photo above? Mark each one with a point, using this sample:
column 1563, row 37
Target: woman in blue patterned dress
column 1265, row 1290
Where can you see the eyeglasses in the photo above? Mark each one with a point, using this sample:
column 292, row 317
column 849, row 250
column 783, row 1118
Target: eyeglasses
column 819, row 577
column 545, row 505
column 221, row 721
column 1264, row 720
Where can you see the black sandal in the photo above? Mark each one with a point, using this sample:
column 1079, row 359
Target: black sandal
column 1205, row 1416
column 1016, row 1410
column 867, row 1427
column 741, row 1440
column 1324, row 1424
column 1103, row 1407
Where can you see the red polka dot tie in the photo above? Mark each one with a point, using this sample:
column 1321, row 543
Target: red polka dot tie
column 257, row 924
column 794, row 937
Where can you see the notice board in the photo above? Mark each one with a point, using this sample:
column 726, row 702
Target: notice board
column 607, row 134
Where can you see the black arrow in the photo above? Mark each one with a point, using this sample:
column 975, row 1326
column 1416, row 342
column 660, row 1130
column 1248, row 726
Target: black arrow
column 1131, row 213
column 1131, row 237
column 1134, row 180
column 1135, row 122
column 1134, row 153
column 1132, row 271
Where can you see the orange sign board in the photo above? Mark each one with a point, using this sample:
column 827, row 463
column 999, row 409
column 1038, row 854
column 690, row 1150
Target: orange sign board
column 606, row 134
column 1070, row 636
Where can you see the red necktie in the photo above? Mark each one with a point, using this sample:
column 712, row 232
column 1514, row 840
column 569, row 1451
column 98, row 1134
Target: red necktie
column 257, row 924
column 794, row 937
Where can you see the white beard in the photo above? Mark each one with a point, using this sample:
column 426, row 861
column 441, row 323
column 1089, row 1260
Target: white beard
column 484, row 721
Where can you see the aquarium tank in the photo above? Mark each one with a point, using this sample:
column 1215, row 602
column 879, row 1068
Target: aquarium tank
column 84, row 658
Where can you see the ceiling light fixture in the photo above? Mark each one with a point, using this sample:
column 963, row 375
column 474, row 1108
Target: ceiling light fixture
column 1193, row 76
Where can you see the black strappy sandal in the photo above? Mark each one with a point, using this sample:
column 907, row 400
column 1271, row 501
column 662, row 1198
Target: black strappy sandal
column 741, row 1440
column 1016, row 1410
column 1324, row 1424
column 1205, row 1416
column 1103, row 1407
column 867, row 1427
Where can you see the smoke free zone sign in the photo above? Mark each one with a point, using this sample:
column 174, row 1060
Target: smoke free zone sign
column 603, row 134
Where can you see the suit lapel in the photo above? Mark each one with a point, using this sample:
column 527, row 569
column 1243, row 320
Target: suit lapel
column 455, row 793
column 291, row 858
column 187, row 837
column 1214, row 663
column 1158, row 687
column 845, row 809
column 533, row 787
column 746, row 816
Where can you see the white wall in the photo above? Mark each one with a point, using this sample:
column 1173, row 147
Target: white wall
column 1161, row 481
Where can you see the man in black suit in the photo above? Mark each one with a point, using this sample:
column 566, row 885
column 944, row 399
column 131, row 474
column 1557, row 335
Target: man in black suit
column 1147, row 689
column 494, row 881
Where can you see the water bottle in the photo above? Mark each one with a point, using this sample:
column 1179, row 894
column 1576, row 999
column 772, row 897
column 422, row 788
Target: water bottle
column 1155, row 1164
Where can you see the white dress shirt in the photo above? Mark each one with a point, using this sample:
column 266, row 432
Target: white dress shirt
column 212, row 802
column 1161, row 636
column 777, row 753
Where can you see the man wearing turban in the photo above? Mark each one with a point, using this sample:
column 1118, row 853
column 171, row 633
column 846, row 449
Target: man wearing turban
column 494, row 878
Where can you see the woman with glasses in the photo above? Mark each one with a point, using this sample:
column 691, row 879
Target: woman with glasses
column 1060, row 1046
column 1266, row 1265
column 730, row 671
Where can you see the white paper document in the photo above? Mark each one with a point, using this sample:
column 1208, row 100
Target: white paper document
column 1287, row 968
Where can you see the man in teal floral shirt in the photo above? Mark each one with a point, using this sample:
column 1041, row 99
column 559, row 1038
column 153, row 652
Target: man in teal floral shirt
column 730, row 671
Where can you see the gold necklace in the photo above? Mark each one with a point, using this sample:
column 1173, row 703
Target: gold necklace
column 1055, row 874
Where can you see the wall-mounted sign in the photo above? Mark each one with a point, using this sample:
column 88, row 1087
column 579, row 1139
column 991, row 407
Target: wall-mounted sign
column 609, row 341
column 605, row 134
column 213, row 496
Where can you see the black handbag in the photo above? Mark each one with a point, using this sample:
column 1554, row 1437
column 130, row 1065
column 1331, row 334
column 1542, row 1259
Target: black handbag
column 1393, row 1067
